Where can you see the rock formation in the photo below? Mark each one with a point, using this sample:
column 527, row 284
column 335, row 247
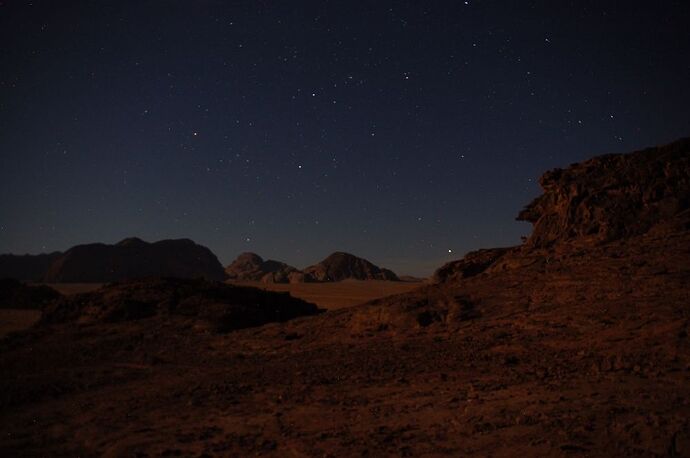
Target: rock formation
column 205, row 304
column 336, row 267
column 474, row 263
column 31, row 268
column 16, row 295
column 600, row 226
column 250, row 266
column 134, row 258
column 612, row 196
column 341, row 266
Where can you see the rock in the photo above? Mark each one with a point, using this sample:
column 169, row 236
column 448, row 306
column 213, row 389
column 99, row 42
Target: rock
column 223, row 307
column 474, row 263
column 16, row 295
column 611, row 197
column 342, row 266
column 134, row 258
column 250, row 266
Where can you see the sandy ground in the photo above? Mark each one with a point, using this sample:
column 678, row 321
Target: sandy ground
column 333, row 296
column 73, row 288
column 12, row 320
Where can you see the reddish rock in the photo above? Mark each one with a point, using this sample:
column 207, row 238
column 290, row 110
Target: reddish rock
column 250, row 266
column 473, row 263
column 341, row 266
column 611, row 197
column 216, row 305
column 134, row 258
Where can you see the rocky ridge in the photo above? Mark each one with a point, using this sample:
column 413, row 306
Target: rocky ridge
column 204, row 304
column 127, row 259
column 134, row 258
column 250, row 266
column 336, row 267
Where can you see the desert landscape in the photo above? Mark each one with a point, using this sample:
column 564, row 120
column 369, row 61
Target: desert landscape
column 344, row 229
column 573, row 343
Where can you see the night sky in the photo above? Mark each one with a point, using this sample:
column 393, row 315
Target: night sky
column 398, row 131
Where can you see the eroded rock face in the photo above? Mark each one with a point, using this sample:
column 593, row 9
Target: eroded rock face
column 209, row 305
column 134, row 258
column 611, row 197
column 341, row 266
column 472, row 264
column 250, row 266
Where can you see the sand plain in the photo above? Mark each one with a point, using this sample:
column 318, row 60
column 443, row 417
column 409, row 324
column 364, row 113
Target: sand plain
column 337, row 295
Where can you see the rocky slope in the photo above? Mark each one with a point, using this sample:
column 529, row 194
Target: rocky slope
column 134, row 258
column 341, row 266
column 199, row 303
column 250, row 266
column 16, row 295
column 473, row 263
column 570, row 346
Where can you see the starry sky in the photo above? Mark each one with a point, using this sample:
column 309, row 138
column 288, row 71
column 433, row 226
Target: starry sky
column 406, row 132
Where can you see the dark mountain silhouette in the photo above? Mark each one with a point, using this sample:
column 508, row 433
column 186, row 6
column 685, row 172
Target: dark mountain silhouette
column 250, row 266
column 134, row 258
column 31, row 268
column 341, row 266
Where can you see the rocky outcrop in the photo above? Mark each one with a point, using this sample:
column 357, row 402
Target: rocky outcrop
column 342, row 266
column 611, row 197
column 134, row 258
column 336, row 267
column 205, row 304
column 250, row 266
column 31, row 268
column 16, row 295
column 474, row 263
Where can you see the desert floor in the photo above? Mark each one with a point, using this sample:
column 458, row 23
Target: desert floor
column 12, row 320
column 330, row 296
column 333, row 296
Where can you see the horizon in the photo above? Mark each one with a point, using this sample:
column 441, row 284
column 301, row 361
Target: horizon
column 294, row 131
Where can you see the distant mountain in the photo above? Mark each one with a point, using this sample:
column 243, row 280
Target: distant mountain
column 30, row 268
column 251, row 266
column 336, row 267
column 134, row 258
column 341, row 266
